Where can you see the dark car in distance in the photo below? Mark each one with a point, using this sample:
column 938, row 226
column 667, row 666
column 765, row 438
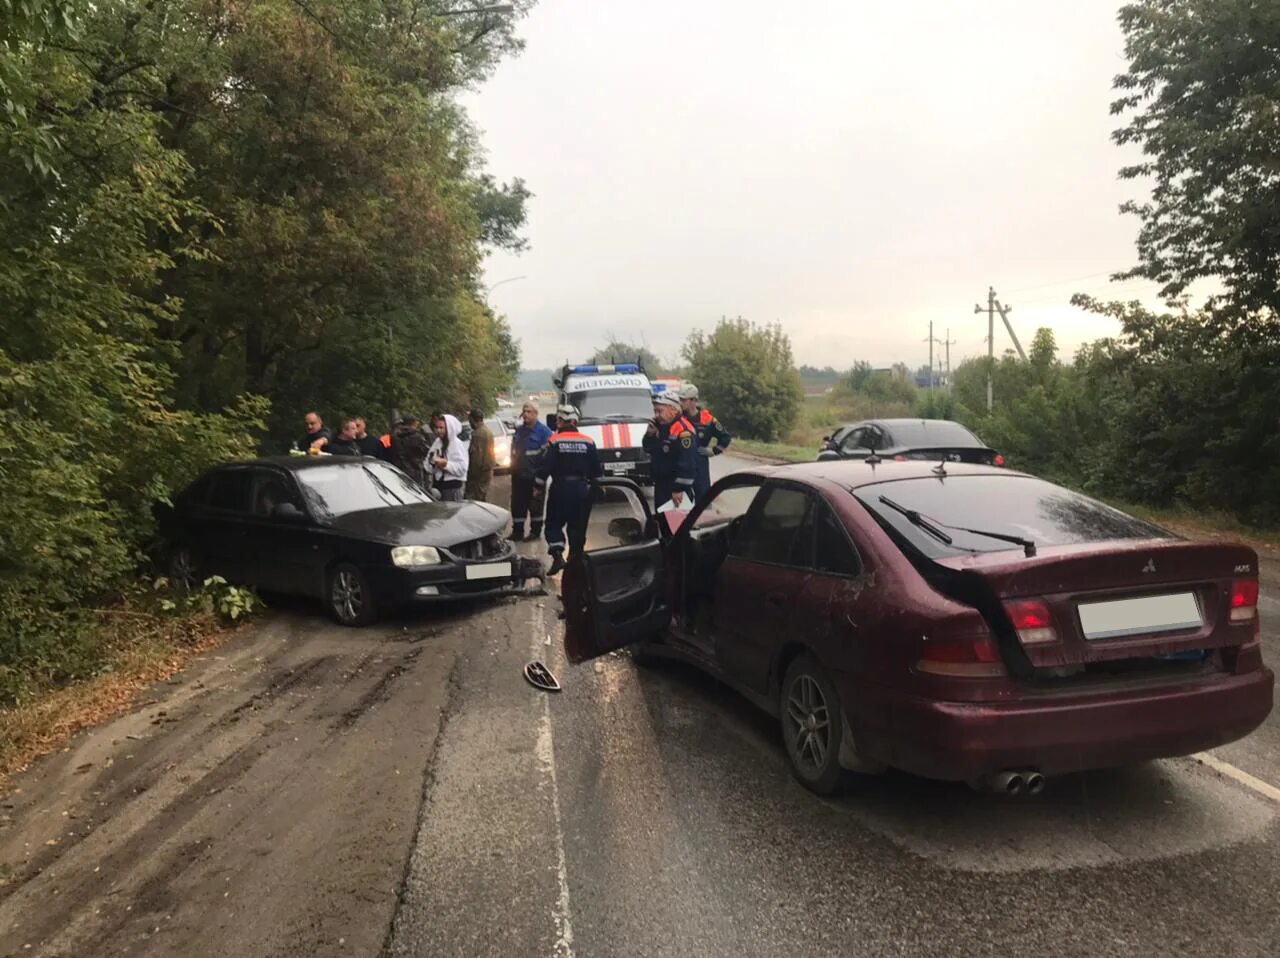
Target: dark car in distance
column 900, row 439
column 356, row 533
column 955, row 621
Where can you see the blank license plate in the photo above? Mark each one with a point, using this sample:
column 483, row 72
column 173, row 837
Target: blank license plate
column 497, row 570
column 1146, row 616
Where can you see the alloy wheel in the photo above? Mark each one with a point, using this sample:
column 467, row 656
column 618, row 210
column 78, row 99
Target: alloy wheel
column 808, row 725
column 347, row 595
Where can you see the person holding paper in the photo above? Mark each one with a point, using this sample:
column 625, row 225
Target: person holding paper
column 672, row 450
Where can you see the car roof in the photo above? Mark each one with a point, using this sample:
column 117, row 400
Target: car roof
column 854, row 474
column 299, row 463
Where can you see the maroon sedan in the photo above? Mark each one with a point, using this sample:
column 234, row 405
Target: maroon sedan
column 956, row 621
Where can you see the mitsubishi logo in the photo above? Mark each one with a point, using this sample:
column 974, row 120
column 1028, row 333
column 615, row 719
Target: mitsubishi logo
column 1150, row 566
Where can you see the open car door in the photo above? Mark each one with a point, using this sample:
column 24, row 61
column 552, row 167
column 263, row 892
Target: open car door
column 615, row 593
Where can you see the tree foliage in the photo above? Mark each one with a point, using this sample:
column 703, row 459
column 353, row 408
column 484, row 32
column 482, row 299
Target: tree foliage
column 746, row 374
column 617, row 351
column 214, row 216
column 1202, row 92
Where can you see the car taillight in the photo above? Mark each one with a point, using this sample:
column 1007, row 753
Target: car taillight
column 970, row 658
column 1032, row 622
column 899, row 458
column 1244, row 600
column 999, row 460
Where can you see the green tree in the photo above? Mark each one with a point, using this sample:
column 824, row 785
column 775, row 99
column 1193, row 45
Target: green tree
column 747, row 375
column 617, row 351
column 1203, row 94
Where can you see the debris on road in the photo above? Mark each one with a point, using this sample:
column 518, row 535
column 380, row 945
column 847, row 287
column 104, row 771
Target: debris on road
column 540, row 677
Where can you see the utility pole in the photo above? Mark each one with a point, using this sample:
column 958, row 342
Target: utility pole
column 994, row 306
column 1004, row 314
column 931, row 340
column 991, row 338
column 948, row 343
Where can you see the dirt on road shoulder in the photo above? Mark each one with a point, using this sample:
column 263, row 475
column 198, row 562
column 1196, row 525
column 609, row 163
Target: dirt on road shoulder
column 262, row 802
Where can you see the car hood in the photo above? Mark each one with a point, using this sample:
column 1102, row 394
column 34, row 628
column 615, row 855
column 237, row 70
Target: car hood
column 442, row 524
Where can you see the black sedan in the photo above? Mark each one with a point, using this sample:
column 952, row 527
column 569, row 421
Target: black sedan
column 904, row 439
column 356, row 533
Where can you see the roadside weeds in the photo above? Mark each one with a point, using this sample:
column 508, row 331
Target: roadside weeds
column 142, row 649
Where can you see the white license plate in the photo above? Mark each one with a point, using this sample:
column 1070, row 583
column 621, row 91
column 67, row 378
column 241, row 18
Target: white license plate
column 618, row 467
column 1148, row 615
column 497, row 570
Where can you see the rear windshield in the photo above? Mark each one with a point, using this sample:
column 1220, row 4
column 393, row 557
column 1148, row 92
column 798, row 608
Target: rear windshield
column 1010, row 505
column 931, row 433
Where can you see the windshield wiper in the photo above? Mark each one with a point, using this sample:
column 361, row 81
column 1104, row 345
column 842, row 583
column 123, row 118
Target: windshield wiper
column 1028, row 546
column 916, row 519
column 935, row 529
column 382, row 485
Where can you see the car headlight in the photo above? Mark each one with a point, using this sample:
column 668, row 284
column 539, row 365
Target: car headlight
column 412, row 557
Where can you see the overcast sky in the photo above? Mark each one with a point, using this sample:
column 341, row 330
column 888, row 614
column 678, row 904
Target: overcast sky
column 850, row 169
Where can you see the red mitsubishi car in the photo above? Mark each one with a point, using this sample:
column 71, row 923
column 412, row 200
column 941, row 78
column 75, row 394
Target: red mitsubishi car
column 956, row 621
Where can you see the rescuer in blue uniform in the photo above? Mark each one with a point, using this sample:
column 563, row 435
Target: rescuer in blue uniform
column 713, row 438
column 671, row 445
column 570, row 462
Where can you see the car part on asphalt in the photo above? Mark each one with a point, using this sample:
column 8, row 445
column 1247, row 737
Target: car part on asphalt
column 540, row 677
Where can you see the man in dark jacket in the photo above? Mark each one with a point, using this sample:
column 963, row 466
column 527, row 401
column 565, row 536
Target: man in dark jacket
column 369, row 445
column 316, row 430
column 409, row 448
column 346, row 444
column 480, row 466
column 570, row 462
column 530, row 436
column 670, row 442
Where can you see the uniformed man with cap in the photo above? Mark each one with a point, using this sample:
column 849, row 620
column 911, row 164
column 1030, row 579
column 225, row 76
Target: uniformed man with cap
column 713, row 438
column 671, row 445
column 570, row 463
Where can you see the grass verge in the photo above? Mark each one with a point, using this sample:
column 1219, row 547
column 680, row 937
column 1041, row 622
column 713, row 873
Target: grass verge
column 774, row 450
column 139, row 648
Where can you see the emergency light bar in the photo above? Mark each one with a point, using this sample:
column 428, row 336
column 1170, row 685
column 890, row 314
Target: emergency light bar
column 597, row 370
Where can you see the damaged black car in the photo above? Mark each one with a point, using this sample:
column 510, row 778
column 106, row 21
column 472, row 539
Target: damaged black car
column 357, row 534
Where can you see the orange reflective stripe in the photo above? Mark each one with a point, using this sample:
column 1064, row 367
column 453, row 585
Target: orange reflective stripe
column 572, row 435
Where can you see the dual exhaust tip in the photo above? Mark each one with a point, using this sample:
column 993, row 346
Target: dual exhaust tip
column 1011, row 783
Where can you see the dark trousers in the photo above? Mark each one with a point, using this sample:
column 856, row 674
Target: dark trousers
column 568, row 504
column 702, row 479
column 525, row 502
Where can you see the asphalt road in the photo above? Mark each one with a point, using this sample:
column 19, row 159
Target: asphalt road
column 310, row 790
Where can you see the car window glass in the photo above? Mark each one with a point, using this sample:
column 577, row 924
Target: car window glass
column 834, row 553
column 771, row 529
column 617, row 518
column 337, row 489
column 271, row 489
column 727, row 505
column 853, row 441
column 1023, row 506
column 801, row 554
column 231, row 490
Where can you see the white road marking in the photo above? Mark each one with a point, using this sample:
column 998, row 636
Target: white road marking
column 547, row 759
column 1265, row 789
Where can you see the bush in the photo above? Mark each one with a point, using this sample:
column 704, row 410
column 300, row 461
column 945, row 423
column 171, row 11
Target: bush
column 746, row 374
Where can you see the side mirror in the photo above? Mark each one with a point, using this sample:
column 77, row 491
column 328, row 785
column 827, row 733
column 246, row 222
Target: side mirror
column 288, row 512
column 626, row 529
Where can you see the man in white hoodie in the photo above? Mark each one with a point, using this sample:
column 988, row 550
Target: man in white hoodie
column 448, row 457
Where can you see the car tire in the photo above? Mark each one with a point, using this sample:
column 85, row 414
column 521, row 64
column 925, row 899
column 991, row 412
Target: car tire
column 348, row 596
column 183, row 566
column 812, row 726
column 644, row 658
